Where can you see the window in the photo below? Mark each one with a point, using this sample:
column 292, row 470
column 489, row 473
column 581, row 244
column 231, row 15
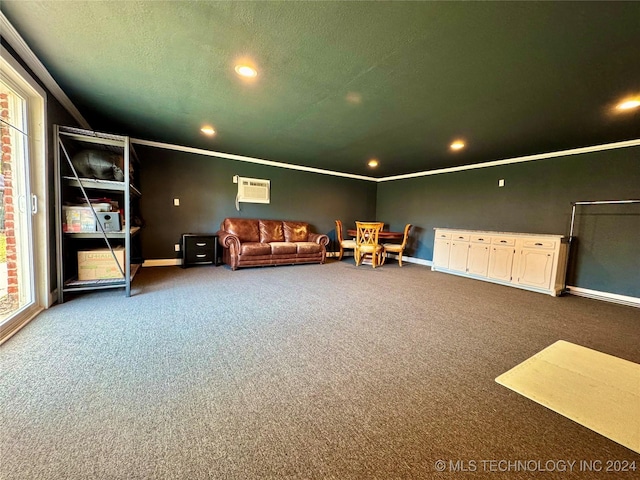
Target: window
column 24, row 265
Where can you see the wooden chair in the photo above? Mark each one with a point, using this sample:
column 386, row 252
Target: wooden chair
column 397, row 247
column 342, row 243
column 367, row 242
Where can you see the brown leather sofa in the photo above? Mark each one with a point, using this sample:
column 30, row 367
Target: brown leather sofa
column 250, row 242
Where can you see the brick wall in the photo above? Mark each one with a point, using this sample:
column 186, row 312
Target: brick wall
column 8, row 204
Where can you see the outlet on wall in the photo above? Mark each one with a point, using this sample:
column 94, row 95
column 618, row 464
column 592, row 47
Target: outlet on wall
column 176, row 247
column 176, row 202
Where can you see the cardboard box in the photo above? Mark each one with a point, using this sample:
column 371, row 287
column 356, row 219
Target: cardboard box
column 99, row 264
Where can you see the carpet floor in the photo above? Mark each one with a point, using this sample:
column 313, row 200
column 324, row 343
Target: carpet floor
column 301, row 372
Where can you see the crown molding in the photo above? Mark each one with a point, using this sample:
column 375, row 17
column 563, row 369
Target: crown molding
column 290, row 166
column 18, row 44
column 509, row 161
column 242, row 158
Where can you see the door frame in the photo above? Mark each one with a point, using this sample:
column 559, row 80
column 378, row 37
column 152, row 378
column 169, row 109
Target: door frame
column 36, row 99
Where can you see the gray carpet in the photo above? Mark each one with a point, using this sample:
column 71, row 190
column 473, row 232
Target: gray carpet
column 305, row 372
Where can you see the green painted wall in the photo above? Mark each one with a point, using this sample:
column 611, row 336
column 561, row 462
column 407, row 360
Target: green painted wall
column 207, row 195
column 536, row 198
column 606, row 249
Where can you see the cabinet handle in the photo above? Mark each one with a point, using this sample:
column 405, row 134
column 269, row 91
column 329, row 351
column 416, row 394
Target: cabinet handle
column 201, row 244
column 481, row 239
column 201, row 255
column 461, row 238
column 538, row 244
column 503, row 241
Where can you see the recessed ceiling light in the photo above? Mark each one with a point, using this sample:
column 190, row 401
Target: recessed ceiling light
column 354, row 98
column 207, row 130
column 457, row 145
column 373, row 163
column 246, row 71
column 628, row 104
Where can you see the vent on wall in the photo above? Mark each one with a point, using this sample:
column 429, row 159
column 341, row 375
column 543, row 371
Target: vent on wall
column 253, row 190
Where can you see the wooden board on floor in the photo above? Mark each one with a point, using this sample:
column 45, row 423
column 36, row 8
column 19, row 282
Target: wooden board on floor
column 596, row 390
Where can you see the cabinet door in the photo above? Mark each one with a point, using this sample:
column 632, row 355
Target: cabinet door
column 535, row 267
column 441, row 253
column 478, row 263
column 500, row 263
column 458, row 256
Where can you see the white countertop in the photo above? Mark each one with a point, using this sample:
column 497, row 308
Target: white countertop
column 510, row 234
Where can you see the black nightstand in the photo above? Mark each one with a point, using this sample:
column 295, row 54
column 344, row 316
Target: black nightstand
column 199, row 249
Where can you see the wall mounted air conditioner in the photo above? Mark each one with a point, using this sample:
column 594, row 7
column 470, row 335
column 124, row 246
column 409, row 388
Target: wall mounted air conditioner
column 253, row 190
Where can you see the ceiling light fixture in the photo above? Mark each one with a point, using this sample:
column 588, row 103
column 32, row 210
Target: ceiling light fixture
column 628, row 104
column 207, row 130
column 246, row 71
column 354, row 98
column 457, row 145
column 373, row 163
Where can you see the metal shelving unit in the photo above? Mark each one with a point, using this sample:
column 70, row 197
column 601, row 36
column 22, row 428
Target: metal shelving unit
column 70, row 186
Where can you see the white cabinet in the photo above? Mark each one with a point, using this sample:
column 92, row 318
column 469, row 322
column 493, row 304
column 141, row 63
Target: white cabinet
column 478, row 263
column 501, row 262
column 535, row 268
column 530, row 261
column 501, row 257
column 459, row 255
column 441, row 249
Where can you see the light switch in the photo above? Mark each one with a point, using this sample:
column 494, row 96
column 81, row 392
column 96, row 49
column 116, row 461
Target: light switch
column 176, row 202
column 176, row 247
column 501, row 182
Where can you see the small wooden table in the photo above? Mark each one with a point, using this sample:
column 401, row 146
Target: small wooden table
column 382, row 235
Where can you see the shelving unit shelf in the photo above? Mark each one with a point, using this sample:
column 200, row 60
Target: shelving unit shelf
column 72, row 188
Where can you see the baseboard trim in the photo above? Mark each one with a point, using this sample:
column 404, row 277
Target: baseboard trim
column 605, row 296
column 419, row 261
column 163, row 262
column 172, row 262
column 337, row 254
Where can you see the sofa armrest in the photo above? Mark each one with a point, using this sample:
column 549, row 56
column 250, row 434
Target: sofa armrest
column 319, row 238
column 229, row 240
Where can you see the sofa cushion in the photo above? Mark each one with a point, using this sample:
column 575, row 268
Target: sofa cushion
column 284, row 248
column 271, row 231
column 247, row 230
column 305, row 248
column 255, row 248
column 296, row 231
